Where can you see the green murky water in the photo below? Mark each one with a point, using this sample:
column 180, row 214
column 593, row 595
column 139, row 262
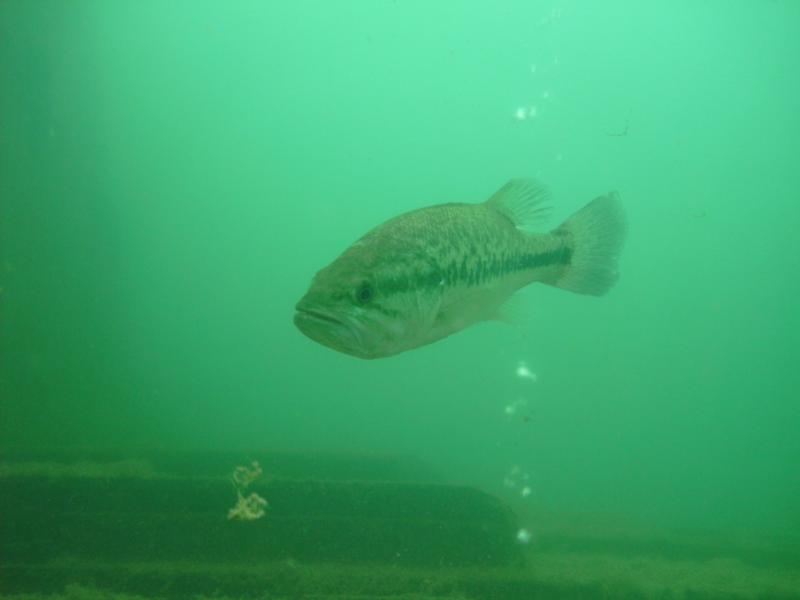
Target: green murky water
column 173, row 174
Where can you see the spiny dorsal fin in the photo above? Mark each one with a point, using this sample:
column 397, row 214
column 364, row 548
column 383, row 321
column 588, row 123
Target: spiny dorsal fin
column 523, row 201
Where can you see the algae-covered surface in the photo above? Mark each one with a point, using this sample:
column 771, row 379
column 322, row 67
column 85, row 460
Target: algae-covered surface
column 126, row 529
column 546, row 575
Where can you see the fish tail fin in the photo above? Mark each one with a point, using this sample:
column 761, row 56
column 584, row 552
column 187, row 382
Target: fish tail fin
column 595, row 235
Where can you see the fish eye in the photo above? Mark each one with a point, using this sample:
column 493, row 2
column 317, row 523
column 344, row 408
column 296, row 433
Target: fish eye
column 364, row 293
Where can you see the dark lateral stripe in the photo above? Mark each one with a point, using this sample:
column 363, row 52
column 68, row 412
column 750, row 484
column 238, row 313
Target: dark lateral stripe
column 421, row 280
column 496, row 267
column 477, row 273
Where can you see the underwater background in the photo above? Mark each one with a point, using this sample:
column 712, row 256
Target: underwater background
column 172, row 174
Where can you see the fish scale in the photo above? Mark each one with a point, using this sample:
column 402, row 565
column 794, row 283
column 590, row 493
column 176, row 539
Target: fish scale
column 429, row 273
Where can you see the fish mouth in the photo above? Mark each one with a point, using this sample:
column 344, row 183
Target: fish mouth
column 320, row 325
column 316, row 315
column 337, row 331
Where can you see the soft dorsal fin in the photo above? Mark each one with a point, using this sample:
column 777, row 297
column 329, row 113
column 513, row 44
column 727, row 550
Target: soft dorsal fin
column 523, row 201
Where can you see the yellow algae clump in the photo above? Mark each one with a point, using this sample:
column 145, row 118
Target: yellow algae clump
column 250, row 507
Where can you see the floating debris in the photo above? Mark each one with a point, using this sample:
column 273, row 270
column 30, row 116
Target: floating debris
column 514, row 407
column 523, row 536
column 523, row 372
column 250, row 507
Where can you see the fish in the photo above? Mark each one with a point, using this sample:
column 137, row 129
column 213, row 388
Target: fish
column 432, row 272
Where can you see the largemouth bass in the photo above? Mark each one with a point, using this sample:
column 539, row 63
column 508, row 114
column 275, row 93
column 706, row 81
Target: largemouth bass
column 429, row 273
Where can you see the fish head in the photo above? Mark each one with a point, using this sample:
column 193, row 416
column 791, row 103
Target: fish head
column 364, row 306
